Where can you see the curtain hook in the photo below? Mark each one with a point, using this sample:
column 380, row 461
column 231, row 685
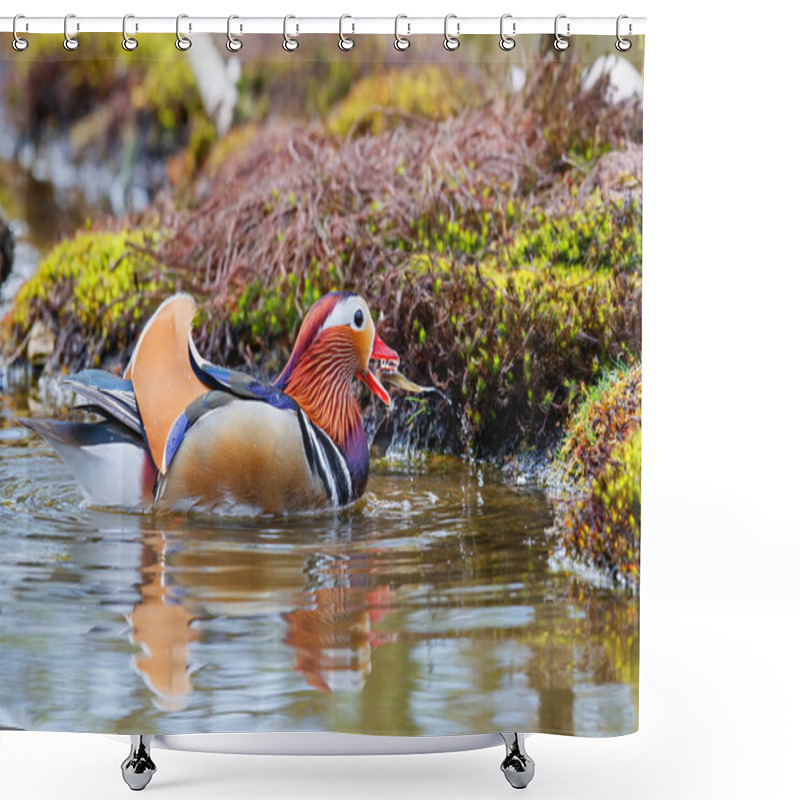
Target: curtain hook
column 233, row 44
column 128, row 42
column 70, row 42
column 560, row 43
column 623, row 45
column 451, row 42
column 345, row 43
column 507, row 42
column 19, row 44
column 401, row 42
column 182, row 42
column 290, row 44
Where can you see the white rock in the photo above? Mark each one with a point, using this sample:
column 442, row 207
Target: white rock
column 216, row 82
column 624, row 80
column 517, row 79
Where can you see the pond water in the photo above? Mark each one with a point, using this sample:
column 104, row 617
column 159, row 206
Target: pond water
column 431, row 607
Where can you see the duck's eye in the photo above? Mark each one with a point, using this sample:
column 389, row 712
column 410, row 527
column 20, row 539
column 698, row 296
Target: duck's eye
column 358, row 318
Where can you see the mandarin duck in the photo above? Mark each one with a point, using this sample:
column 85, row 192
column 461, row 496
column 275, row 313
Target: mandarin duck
column 179, row 433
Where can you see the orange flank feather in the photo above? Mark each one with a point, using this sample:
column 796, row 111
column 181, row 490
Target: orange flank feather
column 163, row 379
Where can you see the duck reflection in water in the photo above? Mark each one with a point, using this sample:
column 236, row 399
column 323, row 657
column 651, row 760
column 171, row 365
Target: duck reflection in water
column 334, row 632
column 162, row 628
column 323, row 602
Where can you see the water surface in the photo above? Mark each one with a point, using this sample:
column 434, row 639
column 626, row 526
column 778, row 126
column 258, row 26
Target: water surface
column 429, row 608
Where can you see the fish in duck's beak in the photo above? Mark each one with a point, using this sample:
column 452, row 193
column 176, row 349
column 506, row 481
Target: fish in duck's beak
column 389, row 362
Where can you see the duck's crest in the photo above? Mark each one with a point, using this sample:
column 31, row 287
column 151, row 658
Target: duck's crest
column 313, row 322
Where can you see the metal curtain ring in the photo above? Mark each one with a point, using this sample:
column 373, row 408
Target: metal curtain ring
column 623, row 45
column 345, row 43
column 70, row 43
column 506, row 42
column 401, row 42
column 233, row 44
column 451, row 42
column 182, row 42
column 560, row 43
column 128, row 42
column 290, row 44
column 19, row 44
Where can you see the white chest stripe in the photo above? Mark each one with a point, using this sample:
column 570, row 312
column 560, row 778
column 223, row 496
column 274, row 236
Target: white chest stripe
column 330, row 472
column 342, row 468
column 322, row 460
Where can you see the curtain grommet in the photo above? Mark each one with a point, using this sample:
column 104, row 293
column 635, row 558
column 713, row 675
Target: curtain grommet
column 19, row 44
column 129, row 43
column 345, row 42
column 290, row 43
column 182, row 43
column 623, row 45
column 401, row 43
column 507, row 42
column 233, row 44
column 70, row 42
column 451, row 42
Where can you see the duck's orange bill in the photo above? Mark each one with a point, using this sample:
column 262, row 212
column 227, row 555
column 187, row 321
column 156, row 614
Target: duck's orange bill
column 380, row 352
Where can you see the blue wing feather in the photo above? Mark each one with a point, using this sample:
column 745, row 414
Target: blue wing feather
column 239, row 383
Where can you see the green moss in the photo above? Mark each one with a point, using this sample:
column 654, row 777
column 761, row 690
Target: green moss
column 98, row 284
column 440, row 235
column 601, row 452
column 608, row 410
column 599, row 234
column 169, row 94
column 526, row 324
column 604, row 527
column 267, row 314
column 376, row 103
column 263, row 311
column 514, row 345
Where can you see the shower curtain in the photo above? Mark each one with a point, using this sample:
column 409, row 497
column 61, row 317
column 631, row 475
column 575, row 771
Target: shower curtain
column 486, row 205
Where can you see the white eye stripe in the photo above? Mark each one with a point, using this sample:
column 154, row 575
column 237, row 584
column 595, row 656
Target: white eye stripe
column 345, row 314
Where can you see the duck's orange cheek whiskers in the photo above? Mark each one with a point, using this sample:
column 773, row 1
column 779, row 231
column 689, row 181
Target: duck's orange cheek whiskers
column 362, row 341
column 375, row 387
